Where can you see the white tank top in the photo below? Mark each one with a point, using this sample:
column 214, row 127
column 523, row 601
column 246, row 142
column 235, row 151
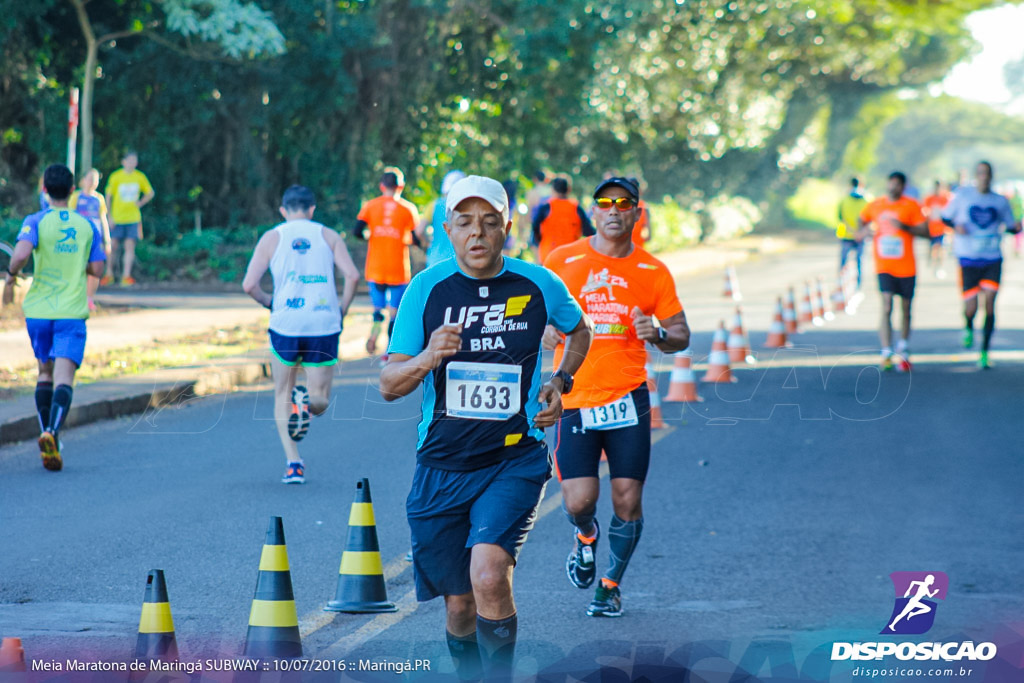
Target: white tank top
column 305, row 293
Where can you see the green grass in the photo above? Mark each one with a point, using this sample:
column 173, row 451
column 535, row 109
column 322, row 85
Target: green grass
column 816, row 204
column 135, row 360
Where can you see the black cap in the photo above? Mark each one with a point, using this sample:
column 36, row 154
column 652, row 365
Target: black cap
column 627, row 184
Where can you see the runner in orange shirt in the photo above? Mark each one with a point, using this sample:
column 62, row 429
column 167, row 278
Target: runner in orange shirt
column 623, row 288
column 894, row 220
column 388, row 224
column 559, row 221
column 933, row 206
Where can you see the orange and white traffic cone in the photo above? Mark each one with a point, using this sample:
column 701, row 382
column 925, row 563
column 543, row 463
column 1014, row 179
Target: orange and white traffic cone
column 826, row 303
column 789, row 313
column 737, row 344
column 682, row 387
column 731, row 288
column 817, row 306
column 806, row 314
column 12, row 656
column 777, row 331
column 839, row 295
column 718, row 361
column 652, row 388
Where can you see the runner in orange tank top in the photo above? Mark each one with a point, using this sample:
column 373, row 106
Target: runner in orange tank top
column 559, row 221
column 623, row 289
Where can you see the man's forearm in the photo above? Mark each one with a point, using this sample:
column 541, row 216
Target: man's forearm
column 577, row 344
column 402, row 378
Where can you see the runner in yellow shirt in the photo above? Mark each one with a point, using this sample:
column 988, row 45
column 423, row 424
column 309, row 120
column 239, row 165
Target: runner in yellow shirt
column 128, row 190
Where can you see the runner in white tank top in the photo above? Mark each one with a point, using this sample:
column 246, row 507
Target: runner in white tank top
column 305, row 318
column 305, row 295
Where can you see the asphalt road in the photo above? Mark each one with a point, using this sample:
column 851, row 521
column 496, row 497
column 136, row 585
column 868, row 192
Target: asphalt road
column 775, row 512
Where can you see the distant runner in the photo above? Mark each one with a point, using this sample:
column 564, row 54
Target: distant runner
column 559, row 221
column 90, row 203
column 305, row 316
column 980, row 217
column 933, row 205
column 388, row 225
column 850, row 209
column 894, row 220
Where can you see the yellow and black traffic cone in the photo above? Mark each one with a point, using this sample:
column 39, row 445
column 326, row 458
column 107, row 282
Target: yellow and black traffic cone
column 12, row 656
column 273, row 621
column 156, row 627
column 361, row 587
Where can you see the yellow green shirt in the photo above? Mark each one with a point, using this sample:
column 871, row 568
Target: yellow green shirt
column 849, row 210
column 125, row 189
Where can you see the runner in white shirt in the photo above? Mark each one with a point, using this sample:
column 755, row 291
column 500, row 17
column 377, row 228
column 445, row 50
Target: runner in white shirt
column 305, row 318
column 980, row 217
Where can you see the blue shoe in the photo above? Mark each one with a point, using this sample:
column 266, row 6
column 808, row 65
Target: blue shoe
column 298, row 419
column 581, row 564
column 295, row 474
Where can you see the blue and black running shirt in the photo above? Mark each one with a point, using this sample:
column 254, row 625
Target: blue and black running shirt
column 479, row 404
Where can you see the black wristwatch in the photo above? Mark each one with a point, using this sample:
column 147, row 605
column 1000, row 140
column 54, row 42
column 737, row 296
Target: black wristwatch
column 662, row 335
column 566, row 380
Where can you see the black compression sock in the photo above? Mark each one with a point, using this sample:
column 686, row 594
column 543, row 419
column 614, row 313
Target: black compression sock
column 497, row 641
column 990, row 327
column 44, row 399
column 59, row 410
column 465, row 655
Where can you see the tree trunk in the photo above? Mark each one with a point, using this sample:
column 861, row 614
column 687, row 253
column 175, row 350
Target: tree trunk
column 88, row 83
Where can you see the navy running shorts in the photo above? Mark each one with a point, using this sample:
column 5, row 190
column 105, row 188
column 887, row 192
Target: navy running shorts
column 57, row 339
column 974, row 278
column 578, row 451
column 899, row 286
column 307, row 351
column 386, row 296
column 451, row 511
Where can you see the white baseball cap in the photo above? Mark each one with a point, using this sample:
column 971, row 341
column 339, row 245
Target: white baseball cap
column 488, row 189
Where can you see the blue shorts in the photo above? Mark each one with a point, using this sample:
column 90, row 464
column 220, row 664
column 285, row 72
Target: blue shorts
column 451, row 511
column 578, row 452
column 386, row 296
column 57, row 339
column 307, row 351
column 125, row 231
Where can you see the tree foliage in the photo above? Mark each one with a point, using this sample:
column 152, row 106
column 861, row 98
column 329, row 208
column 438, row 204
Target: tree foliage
column 706, row 99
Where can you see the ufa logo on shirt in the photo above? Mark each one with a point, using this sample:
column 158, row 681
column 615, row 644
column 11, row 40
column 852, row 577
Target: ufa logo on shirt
column 493, row 316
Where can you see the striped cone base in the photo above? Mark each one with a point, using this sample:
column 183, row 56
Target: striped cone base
column 273, row 621
column 361, row 588
column 156, row 626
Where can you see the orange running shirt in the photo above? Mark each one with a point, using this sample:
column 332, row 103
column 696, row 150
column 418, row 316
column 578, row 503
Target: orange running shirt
column 641, row 225
column 562, row 226
column 894, row 248
column 607, row 289
column 933, row 206
column 391, row 222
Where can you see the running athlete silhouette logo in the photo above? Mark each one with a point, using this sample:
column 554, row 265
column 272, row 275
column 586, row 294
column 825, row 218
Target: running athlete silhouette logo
column 69, row 234
column 602, row 280
column 914, row 612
